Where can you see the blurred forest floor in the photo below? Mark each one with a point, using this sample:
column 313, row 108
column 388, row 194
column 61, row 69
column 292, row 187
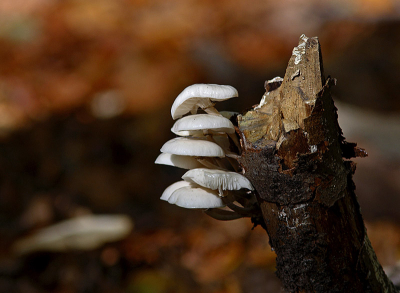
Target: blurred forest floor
column 85, row 95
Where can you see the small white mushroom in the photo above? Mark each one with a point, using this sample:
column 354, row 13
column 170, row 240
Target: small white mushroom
column 82, row 233
column 217, row 179
column 200, row 124
column 192, row 147
column 192, row 196
column 172, row 188
column 201, row 96
column 184, row 162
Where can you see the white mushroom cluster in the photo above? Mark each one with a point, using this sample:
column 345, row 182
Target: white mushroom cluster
column 207, row 145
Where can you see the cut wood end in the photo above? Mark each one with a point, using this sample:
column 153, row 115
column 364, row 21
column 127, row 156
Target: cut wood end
column 288, row 101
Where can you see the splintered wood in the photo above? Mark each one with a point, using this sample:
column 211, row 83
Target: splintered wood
column 292, row 152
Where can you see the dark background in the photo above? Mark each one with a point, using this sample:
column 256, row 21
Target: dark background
column 85, row 95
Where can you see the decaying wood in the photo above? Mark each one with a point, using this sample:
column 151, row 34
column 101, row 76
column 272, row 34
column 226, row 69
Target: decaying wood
column 293, row 152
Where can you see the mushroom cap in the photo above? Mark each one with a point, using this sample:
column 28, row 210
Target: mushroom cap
column 81, row 233
column 184, row 162
column 172, row 188
column 200, row 95
column 192, row 147
column 195, row 124
column 192, row 196
column 217, row 179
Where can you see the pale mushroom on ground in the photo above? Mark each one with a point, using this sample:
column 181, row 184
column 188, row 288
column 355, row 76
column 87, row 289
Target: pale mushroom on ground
column 201, row 96
column 184, row 162
column 218, row 179
column 82, row 233
column 192, row 147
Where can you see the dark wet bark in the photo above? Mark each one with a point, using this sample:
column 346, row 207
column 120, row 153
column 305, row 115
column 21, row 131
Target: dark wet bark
column 293, row 153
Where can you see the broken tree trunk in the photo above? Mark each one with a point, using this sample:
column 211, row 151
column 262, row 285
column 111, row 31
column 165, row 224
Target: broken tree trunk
column 293, row 152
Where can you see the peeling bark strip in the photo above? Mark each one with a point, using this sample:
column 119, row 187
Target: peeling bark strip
column 293, row 152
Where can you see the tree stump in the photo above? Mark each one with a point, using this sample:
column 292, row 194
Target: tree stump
column 295, row 155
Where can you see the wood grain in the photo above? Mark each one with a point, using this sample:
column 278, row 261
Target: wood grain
column 292, row 152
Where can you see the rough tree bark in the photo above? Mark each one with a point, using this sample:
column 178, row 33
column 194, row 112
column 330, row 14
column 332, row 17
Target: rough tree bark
column 294, row 154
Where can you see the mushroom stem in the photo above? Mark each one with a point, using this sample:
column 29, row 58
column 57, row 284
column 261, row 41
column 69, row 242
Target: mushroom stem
column 244, row 198
column 222, row 215
column 245, row 212
column 229, row 155
column 211, row 110
column 208, row 136
column 224, row 165
column 234, row 164
column 235, row 141
column 230, row 196
column 210, row 163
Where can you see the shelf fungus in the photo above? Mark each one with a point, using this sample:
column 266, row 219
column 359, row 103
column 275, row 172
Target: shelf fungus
column 218, row 179
column 202, row 124
column 205, row 125
column 192, row 147
column 192, row 196
column 201, row 96
column 208, row 146
column 184, row 162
